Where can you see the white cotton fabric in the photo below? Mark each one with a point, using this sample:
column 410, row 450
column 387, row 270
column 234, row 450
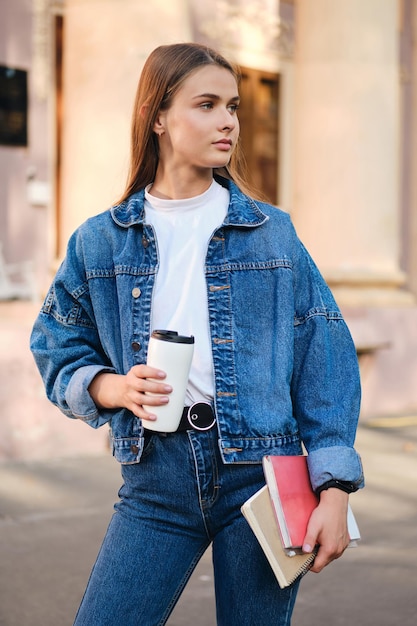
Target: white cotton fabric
column 183, row 229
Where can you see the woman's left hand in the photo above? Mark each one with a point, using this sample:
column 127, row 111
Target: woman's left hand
column 327, row 528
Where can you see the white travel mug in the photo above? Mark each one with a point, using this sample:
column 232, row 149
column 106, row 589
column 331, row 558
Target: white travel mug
column 171, row 353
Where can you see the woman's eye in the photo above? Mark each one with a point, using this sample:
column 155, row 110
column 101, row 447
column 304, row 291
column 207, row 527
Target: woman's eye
column 233, row 108
column 206, row 105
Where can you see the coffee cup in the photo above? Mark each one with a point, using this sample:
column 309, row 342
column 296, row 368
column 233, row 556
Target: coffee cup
column 172, row 353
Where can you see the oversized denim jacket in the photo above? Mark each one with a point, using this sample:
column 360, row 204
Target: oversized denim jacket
column 285, row 366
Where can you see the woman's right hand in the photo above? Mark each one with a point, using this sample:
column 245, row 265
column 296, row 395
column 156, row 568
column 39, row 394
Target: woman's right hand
column 141, row 385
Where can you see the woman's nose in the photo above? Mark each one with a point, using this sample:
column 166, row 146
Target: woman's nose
column 228, row 121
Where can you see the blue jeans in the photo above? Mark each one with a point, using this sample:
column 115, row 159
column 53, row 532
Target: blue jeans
column 177, row 501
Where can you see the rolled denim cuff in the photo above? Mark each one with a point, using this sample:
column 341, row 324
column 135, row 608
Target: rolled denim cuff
column 335, row 463
column 79, row 401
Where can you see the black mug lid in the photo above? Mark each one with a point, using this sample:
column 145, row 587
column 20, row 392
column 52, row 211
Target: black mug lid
column 172, row 335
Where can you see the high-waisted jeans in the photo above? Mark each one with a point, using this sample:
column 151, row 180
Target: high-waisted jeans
column 173, row 504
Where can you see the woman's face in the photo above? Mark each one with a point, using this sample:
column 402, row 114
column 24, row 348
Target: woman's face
column 201, row 128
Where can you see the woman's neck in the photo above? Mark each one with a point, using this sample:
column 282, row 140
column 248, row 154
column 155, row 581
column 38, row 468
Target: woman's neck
column 178, row 186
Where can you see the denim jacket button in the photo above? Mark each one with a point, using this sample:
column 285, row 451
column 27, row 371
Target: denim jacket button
column 134, row 449
column 145, row 242
column 136, row 292
column 136, row 346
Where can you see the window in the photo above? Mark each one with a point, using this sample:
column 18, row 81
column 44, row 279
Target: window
column 59, row 114
column 258, row 115
column 13, row 106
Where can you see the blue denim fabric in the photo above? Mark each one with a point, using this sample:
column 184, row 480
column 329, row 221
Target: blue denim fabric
column 181, row 498
column 285, row 365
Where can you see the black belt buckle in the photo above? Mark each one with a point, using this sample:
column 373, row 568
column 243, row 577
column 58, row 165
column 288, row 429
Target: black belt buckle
column 200, row 416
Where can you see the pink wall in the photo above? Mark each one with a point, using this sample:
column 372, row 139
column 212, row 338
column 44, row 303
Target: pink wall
column 30, row 426
column 24, row 230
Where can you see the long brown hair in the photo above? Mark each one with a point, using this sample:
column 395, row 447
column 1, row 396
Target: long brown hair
column 164, row 72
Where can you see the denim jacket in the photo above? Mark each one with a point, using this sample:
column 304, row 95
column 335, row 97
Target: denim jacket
column 285, row 365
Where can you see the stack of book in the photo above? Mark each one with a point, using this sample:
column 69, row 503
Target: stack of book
column 279, row 514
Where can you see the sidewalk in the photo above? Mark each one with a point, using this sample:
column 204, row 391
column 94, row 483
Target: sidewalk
column 54, row 515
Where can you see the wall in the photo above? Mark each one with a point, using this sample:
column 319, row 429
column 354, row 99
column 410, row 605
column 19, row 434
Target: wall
column 25, row 226
column 30, row 427
column 347, row 184
column 101, row 75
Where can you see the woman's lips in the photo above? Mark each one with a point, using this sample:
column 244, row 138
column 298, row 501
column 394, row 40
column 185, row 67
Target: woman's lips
column 223, row 144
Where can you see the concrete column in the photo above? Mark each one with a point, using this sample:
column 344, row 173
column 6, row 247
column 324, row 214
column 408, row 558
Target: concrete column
column 412, row 213
column 346, row 150
column 106, row 44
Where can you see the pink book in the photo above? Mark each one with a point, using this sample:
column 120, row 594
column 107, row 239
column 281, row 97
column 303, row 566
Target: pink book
column 292, row 496
column 294, row 500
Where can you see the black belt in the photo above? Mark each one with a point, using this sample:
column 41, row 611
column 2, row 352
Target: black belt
column 199, row 416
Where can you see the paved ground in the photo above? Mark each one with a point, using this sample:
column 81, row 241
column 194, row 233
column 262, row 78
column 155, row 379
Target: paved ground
column 53, row 516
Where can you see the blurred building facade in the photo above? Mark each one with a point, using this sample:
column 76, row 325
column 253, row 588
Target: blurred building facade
column 329, row 127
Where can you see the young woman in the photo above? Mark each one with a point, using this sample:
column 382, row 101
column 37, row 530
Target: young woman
column 187, row 249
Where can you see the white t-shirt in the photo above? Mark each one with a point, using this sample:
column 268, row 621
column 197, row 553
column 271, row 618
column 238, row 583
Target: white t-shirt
column 183, row 229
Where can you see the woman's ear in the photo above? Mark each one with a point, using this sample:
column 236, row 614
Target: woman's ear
column 159, row 127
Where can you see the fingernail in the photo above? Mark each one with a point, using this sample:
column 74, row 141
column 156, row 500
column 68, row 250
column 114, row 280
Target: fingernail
column 307, row 548
column 167, row 388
